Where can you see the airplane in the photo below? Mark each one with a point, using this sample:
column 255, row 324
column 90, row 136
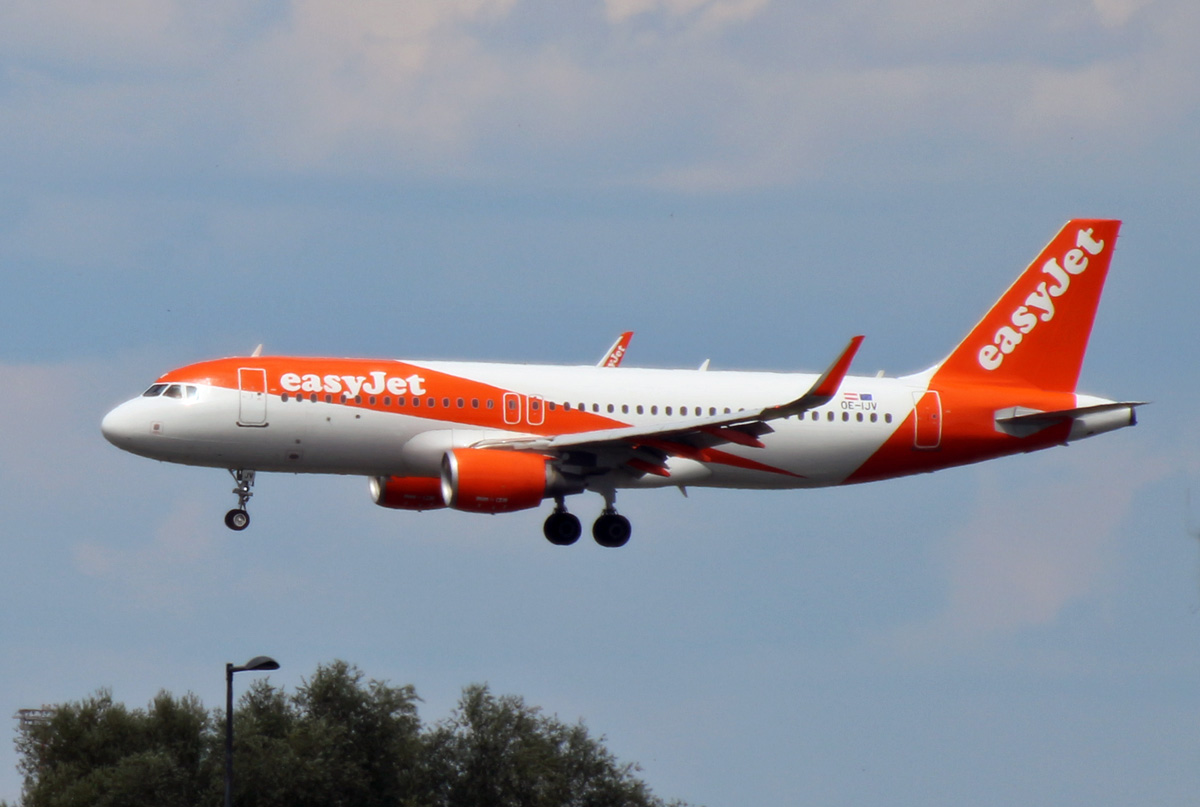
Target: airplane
column 497, row 438
column 616, row 353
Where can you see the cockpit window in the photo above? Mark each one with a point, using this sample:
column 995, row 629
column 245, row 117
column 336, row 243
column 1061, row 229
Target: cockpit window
column 173, row 391
column 154, row 391
column 191, row 392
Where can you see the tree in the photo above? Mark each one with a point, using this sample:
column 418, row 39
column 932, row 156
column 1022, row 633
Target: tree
column 338, row 740
column 97, row 752
column 499, row 751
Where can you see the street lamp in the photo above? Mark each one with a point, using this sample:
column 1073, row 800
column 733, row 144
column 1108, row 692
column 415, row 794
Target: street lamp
column 256, row 664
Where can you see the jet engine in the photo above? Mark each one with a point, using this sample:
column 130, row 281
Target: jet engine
column 407, row 492
column 483, row 480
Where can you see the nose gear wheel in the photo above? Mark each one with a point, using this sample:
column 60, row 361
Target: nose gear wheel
column 238, row 518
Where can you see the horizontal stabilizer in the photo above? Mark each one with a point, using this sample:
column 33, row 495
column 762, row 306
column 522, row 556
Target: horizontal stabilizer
column 1086, row 420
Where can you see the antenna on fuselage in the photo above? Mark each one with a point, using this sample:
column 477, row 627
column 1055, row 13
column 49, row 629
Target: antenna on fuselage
column 257, row 352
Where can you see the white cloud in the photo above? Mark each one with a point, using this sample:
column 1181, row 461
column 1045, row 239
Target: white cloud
column 704, row 14
column 687, row 94
column 179, row 565
column 48, row 433
column 1037, row 544
column 1115, row 13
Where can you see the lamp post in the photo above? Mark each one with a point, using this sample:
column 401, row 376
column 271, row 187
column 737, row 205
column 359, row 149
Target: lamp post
column 256, row 664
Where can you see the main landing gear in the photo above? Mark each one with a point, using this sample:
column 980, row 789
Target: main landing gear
column 610, row 530
column 561, row 528
column 238, row 518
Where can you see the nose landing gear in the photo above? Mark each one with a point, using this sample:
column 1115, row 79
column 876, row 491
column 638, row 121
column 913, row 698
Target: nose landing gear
column 238, row 518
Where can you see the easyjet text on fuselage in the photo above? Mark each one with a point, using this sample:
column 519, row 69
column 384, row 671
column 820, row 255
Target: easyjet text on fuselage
column 377, row 382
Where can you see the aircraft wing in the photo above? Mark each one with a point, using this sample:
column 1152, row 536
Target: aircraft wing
column 646, row 448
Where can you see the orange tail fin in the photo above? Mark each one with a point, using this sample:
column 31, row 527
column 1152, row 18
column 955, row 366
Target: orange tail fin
column 1037, row 332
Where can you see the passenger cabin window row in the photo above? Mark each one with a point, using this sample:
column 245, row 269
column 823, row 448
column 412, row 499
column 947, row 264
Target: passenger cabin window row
column 535, row 405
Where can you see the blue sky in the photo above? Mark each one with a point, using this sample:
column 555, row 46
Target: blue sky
column 741, row 180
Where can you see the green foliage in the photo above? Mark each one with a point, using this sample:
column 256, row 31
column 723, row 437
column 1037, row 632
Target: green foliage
column 338, row 740
column 498, row 751
column 98, row 752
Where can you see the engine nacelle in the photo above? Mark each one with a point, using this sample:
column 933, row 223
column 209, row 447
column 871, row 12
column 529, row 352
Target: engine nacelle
column 407, row 492
column 483, row 480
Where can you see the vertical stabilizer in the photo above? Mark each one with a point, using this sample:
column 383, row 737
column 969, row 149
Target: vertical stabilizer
column 1037, row 332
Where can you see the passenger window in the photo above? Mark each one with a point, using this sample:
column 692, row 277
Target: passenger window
column 461, row 403
column 595, row 407
column 624, row 409
column 712, row 410
column 874, row 417
column 610, row 408
column 887, row 418
column 416, row 401
column 474, row 403
column 284, row 397
column 858, row 417
column 431, row 402
column 387, row 400
column 683, row 410
column 491, row 404
column 535, row 405
column 654, row 410
column 173, row 391
column 845, row 416
column 445, row 403
column 371, row 400
column 667, row 410
column 639, row 409
column 829, row 416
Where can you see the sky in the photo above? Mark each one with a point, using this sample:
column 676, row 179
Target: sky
column 746, row 181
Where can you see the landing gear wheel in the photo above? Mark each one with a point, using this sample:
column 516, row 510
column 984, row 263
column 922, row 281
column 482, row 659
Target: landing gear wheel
column 562, row 528
column 237, row 519
column 612, row 530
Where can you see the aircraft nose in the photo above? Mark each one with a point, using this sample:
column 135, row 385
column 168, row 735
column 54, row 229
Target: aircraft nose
column 119, row 426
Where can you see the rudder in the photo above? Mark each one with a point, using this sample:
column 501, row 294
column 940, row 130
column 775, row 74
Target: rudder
column 1037, row 332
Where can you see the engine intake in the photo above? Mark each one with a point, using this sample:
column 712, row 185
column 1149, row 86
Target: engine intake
column 483, row 480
